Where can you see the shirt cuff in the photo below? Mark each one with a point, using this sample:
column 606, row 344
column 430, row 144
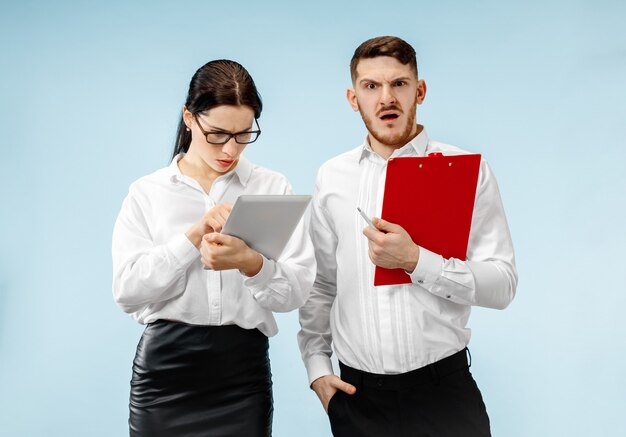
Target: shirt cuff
column 318, row 366
column 428, row 267
column 183, row 250
column 257, row 282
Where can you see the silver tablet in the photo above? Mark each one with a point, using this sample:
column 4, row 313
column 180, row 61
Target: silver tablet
column 266, row 221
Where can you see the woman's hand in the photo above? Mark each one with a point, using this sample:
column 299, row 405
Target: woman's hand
column 212, row 221
column 224, row 252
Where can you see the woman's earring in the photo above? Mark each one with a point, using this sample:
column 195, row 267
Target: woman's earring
column 188, row 130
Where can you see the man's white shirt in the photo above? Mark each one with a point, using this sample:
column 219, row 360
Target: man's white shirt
column 397, row 328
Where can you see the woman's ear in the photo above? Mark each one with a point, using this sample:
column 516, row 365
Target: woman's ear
column 187, row 118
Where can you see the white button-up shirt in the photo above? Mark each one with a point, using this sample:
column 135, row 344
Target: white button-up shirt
column 157, row 272
column 396, row 328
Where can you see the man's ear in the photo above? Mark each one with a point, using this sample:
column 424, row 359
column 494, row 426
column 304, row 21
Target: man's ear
column 421, row 92
column 351, row 96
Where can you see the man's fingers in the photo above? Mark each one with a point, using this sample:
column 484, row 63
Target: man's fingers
column 344, row 386
column 385, row 226
column 369, row 232
column 373, row 234
column 348, row 388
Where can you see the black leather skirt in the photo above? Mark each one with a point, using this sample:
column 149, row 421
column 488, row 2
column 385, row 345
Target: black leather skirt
column 191, row 380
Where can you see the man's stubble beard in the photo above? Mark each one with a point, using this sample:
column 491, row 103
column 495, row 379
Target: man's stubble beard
column 398, row 140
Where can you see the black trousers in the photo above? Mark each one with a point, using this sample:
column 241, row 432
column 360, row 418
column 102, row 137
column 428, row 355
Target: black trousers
column 439, row 400
column 191, row 380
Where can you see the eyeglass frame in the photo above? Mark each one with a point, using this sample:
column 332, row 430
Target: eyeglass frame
column 230, row 134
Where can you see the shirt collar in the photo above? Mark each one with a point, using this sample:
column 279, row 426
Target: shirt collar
column 173, row 170
column 243, row 170
column 418, row 145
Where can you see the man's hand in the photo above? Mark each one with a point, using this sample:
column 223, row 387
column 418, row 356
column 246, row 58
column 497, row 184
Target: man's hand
column 326, row 386
column 390, row 246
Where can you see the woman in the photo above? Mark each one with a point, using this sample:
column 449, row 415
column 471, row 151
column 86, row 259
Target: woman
column 202, row 365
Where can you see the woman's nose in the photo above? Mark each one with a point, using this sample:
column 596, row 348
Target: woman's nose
column 231, row 147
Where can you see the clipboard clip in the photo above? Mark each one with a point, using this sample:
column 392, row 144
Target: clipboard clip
column 438, row 155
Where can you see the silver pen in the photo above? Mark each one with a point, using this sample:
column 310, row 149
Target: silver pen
column 366, row 218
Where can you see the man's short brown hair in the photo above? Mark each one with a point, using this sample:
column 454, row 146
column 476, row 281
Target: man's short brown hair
column 384, row 46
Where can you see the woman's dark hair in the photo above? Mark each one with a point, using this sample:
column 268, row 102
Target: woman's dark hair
column 220, row 82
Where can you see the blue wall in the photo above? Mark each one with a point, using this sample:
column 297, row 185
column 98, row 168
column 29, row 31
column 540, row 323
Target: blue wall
column 90, row 98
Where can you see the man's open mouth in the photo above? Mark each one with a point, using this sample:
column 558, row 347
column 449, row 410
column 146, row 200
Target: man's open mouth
column 389, row 117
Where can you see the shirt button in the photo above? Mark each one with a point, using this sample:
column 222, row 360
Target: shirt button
column 215, row 303
column 420, row 281
column 448, row 296
column 379, row 382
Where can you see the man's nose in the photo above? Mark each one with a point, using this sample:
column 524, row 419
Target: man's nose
column 387, row 96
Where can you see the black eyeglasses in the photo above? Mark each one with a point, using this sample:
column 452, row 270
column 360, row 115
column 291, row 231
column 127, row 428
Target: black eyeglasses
column 221, row 137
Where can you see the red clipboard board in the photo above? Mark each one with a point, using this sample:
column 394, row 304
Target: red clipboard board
column 432, row 198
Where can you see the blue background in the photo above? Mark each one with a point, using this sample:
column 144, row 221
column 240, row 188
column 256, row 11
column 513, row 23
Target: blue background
column 90, row 99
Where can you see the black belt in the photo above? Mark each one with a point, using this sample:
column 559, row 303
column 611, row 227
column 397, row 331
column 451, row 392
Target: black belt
column 427, row 374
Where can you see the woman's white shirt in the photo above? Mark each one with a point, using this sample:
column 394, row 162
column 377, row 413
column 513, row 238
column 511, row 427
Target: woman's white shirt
column 157, row 272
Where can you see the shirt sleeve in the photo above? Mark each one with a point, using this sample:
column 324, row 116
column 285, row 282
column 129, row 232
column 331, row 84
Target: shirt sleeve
column 145, row 273
column 285, row 285
column 488, row 278
column 314, row 338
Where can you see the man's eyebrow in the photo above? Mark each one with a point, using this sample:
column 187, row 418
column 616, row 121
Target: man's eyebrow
column 366, row 80
column 396, row 79
column 404, row 78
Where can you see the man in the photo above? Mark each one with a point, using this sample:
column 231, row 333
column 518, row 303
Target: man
column 401, row 348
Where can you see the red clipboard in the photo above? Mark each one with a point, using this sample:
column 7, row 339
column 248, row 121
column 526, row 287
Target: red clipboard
column 432, row 198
